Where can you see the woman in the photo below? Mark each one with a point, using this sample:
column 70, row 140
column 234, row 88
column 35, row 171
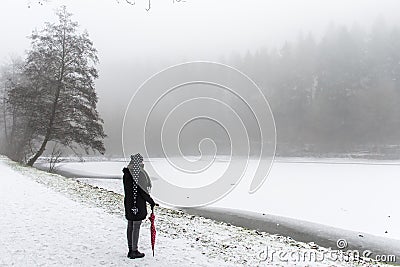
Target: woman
column 135, row 203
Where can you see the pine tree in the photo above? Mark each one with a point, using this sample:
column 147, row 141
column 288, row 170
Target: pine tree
column 61, row 69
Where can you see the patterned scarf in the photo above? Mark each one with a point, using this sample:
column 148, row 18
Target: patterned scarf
column 134, row 168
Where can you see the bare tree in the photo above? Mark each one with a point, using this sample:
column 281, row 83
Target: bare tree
column 55, row 158
column 16, row 121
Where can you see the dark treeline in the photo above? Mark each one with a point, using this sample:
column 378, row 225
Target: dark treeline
column 339, row 94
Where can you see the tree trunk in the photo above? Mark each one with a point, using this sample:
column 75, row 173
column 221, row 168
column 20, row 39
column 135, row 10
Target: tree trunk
column 49, row 130
column 5, row 115
column 53, row 110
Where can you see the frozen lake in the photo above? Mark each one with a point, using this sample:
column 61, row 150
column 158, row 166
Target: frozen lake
column 357, row 195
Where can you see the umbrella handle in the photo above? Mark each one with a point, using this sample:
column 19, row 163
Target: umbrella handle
column 152, row 213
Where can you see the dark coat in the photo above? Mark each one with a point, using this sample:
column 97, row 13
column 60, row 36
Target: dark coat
column 142, row 198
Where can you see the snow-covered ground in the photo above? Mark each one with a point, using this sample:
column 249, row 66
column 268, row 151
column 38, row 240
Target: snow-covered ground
column 41, row 227
column 349, row 194
column 50, row 220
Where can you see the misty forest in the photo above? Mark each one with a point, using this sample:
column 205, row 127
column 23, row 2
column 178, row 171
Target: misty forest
column 336, row 95
column 331, row 96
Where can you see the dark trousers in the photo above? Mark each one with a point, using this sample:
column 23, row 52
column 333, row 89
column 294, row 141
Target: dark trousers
column 132, row 234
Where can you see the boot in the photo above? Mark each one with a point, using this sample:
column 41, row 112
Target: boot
column 129, row 253
column 135, row 254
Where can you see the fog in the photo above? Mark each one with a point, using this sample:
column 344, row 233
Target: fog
column 133, row 43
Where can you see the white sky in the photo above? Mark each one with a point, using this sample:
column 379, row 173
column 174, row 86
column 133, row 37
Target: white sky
column 194, row 29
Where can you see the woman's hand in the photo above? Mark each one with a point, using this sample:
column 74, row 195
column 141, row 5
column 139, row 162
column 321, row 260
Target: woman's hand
column 152, row 206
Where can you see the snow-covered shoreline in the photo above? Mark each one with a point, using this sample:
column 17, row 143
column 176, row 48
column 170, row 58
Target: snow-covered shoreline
column 356, row 195
column 303, row 231
column 219, row 243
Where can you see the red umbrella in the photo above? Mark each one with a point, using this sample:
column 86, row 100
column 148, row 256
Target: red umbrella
column 152, row 231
